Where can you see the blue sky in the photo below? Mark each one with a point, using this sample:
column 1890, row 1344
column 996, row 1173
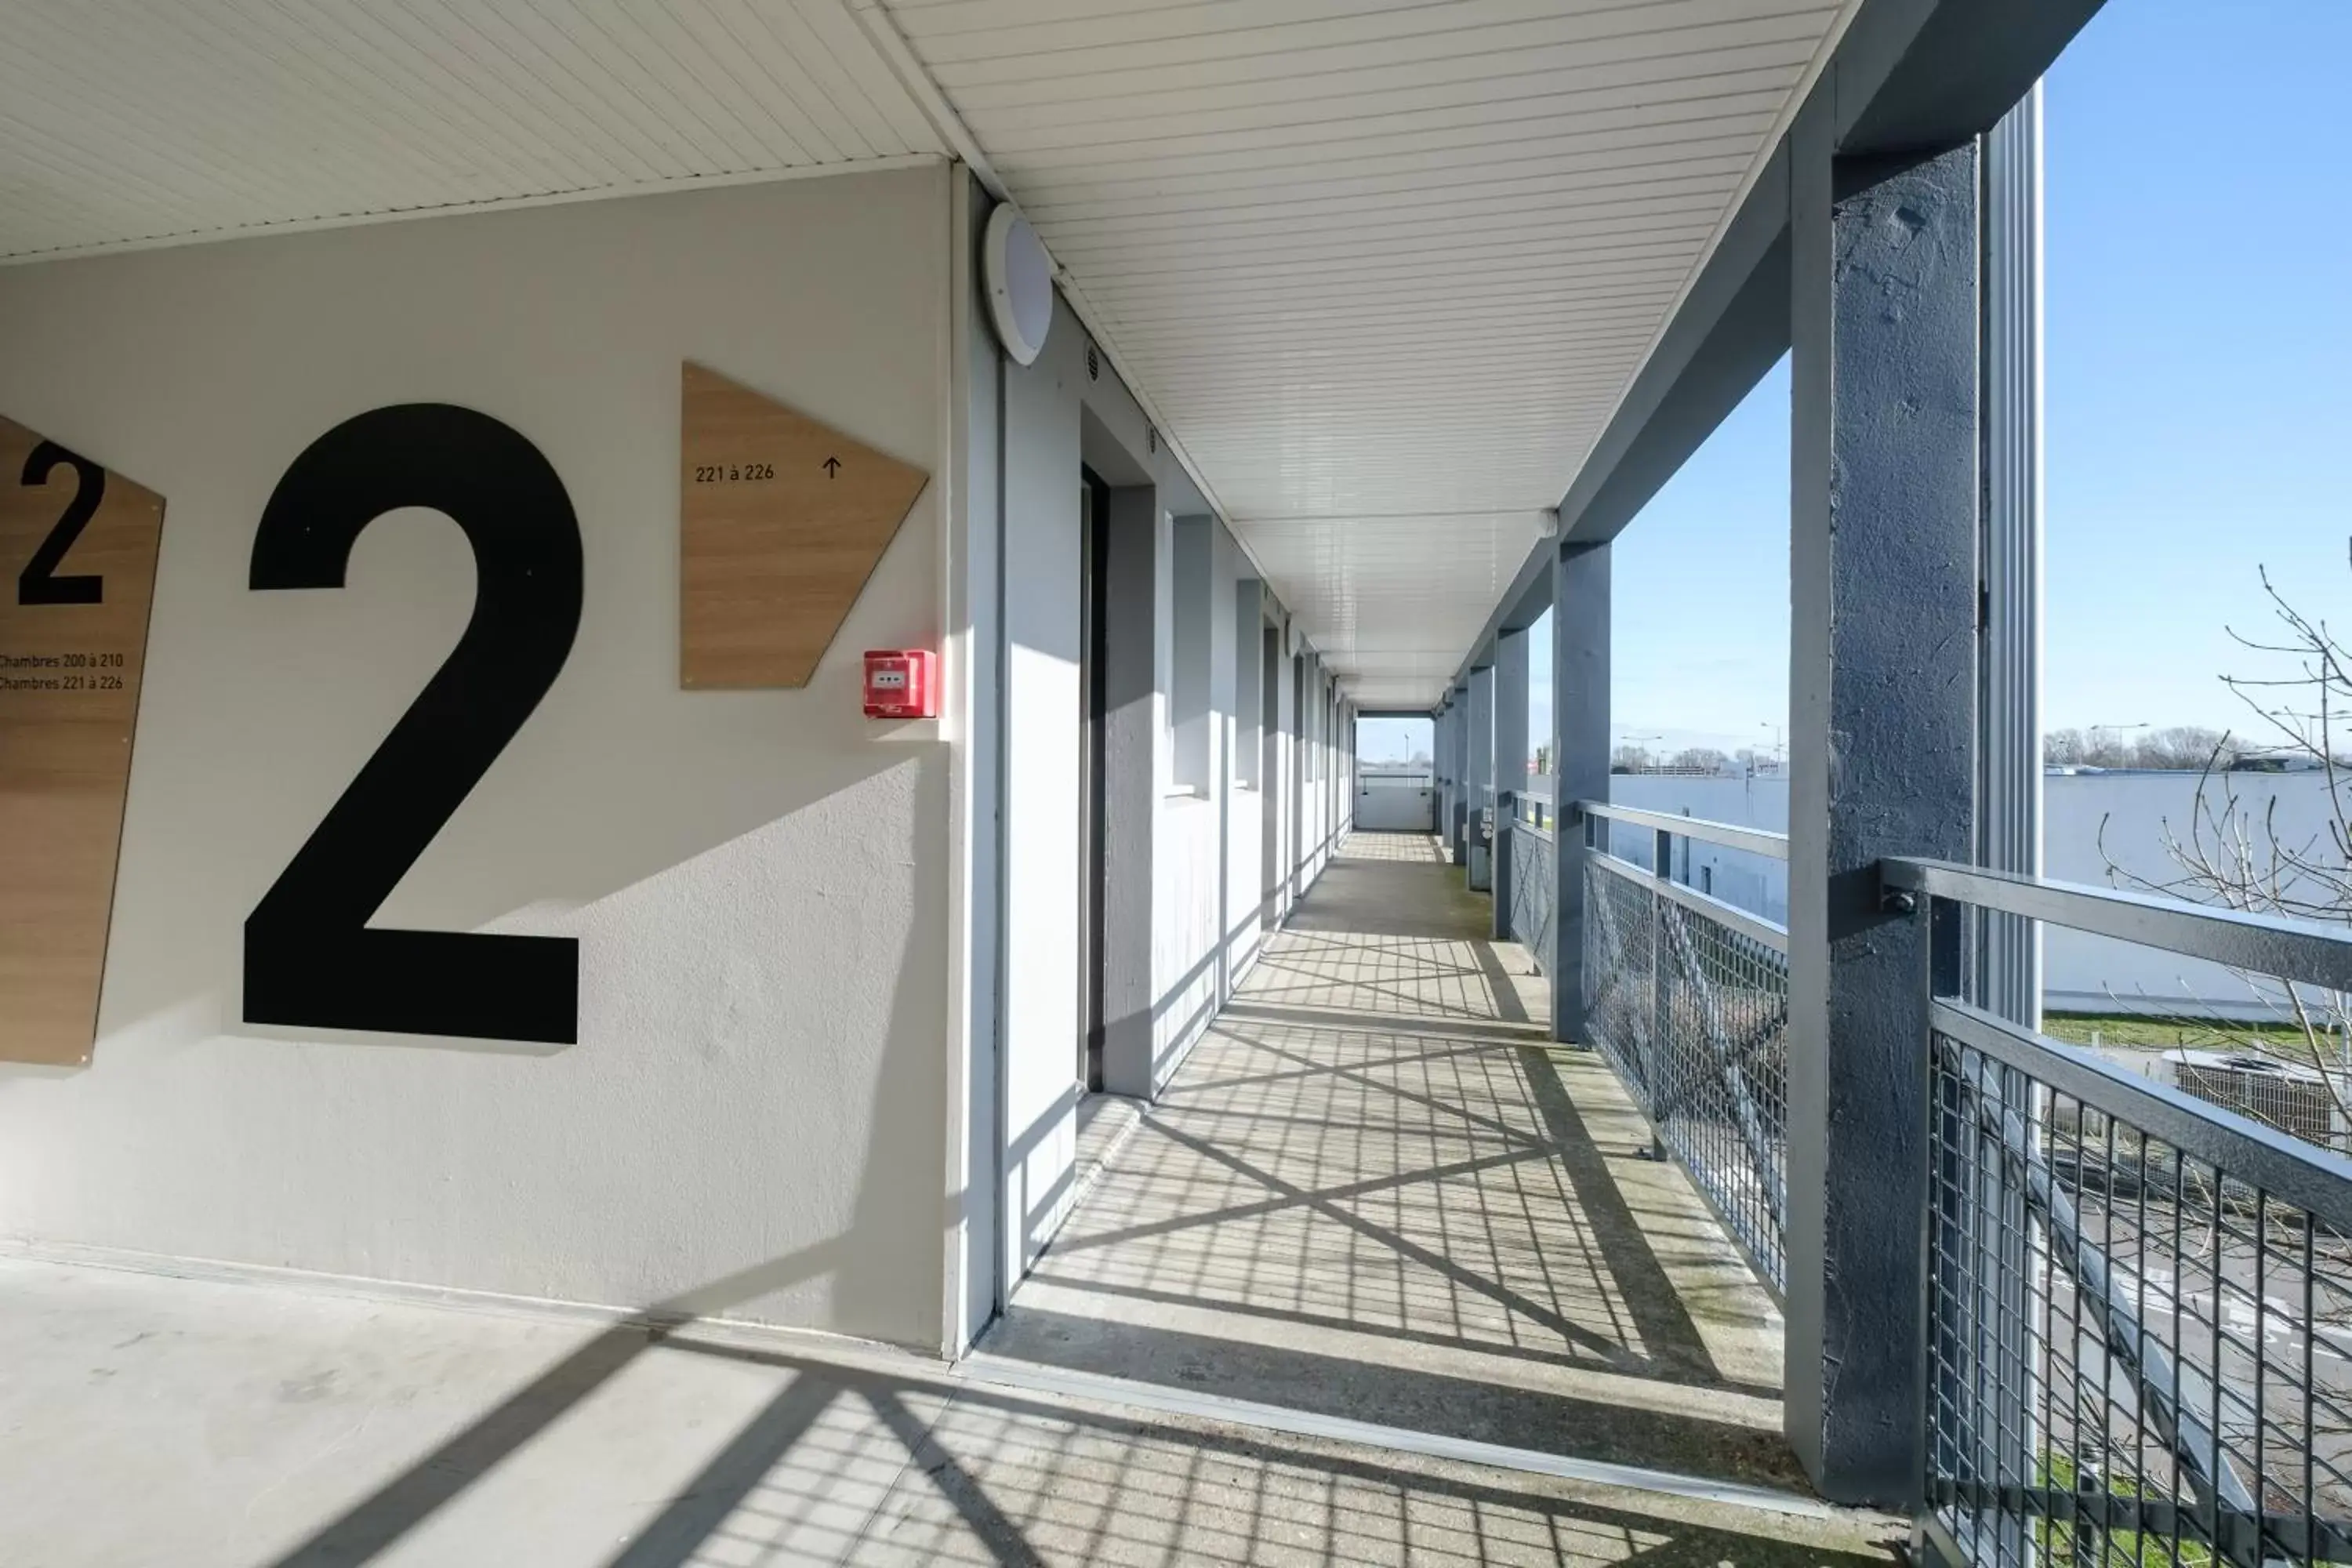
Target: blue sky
column 2198, row 245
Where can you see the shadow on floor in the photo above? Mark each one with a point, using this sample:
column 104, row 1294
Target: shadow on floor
column 1377, row 1191
column 847, row 1466
column 1393, row 884
column 413, row 1432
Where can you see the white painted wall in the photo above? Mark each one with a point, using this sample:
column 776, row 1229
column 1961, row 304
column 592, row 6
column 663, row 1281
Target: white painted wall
column 1205, row 927
column 972, row 717
column 1041, row 906
column 751, row 1123
column 1753, row 883
column 1206, row 840
column 2097, row 973
column 1240, row 632
column 1188, row 883
column 1396, row 805
column 1043, row 729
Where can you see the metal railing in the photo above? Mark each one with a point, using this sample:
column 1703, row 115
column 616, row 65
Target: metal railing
column 1528, row 874
column 2138, row 1340
column 1687, row 997
column 2139, row 1305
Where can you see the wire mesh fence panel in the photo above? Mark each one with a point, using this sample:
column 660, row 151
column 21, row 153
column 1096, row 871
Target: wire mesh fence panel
column 2138, row 1344
column 1720, row 1086
column 1532, row 891
column 1620, row 945
column 2301, row 1108
column 1693, row 1014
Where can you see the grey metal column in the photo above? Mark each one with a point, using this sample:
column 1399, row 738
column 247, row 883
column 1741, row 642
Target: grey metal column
column 1510, row 767
column 2007, row 973
column 1459, row 767
column 1479, row 769
column 1883, row 679
column 2008, row 826
column 1580, row 750
column 1439, row 719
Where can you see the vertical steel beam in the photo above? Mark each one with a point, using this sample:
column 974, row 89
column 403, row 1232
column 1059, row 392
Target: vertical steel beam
column 1580, row 750
column 2009, row 830
column 1449, row 717
column 1510, row 767
column 1438, row 719
column 1883, row 680
column 1459, row 770
column 2007, row 979
column 1437, row 768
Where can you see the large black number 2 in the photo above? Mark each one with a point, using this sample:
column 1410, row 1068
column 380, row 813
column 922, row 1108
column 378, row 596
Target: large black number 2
column 311, row 957
column 39, row 584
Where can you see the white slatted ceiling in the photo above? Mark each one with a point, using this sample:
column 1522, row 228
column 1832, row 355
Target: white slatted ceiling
column 1385, row 265
column 130, row 121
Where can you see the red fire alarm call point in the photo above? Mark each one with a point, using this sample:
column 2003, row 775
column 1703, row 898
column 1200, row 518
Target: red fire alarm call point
column 900, row 683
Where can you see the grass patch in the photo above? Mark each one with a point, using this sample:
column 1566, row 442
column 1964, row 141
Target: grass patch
column 2120, row 1549
column 2152, row 1031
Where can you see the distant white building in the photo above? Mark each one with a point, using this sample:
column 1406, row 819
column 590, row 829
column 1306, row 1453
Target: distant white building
column 2129, row 812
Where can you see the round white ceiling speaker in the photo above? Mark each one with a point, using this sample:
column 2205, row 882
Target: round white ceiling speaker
column 1020, row 284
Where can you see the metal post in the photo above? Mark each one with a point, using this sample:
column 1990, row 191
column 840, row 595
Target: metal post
column 1580, row 750
column 1883, row 678
column 2009, row 969
column 1659, row 1045
column 2007, row 972
column 1510, row 769
column 1458, row 764
column 1439, row 755
column 1437, row 768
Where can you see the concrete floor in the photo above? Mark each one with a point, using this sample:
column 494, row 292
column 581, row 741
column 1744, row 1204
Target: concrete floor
column 1375, row 1190
column 192, row 1423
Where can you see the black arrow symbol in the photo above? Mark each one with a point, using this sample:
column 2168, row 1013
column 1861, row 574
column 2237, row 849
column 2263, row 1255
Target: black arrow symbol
column 831, row 466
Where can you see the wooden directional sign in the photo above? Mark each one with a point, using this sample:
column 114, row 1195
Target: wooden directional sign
column 781, row 521
column 77, row 574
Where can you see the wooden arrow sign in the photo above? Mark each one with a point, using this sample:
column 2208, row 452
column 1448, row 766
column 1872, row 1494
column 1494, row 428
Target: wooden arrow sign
column 77, row 549
column 781, row 521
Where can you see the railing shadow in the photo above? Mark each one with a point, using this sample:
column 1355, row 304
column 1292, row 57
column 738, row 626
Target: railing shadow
column 854, row 1462
column 1371, row 1192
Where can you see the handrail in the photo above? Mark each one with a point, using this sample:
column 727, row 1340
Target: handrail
column 1755, row 840
column 1775, row 937
column 2264, row 945
column 2305, row 1174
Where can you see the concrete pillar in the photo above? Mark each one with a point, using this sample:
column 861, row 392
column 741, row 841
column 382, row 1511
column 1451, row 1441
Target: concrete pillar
column 1282, row 772
column 1134, row 736
column 1192, row 708
column 1294, row 685
column 1580, row 750
column 1883, row 679
column 1510, row 764
column 1310, row 735
column 1479, row 768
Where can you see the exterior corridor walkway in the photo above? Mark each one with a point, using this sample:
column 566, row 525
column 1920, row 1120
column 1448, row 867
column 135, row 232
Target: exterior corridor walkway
column 1377, row 1192
column 1375, row 1197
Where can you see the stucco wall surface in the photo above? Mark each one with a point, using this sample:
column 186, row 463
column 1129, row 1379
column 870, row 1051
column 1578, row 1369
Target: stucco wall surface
column 750, row 1121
